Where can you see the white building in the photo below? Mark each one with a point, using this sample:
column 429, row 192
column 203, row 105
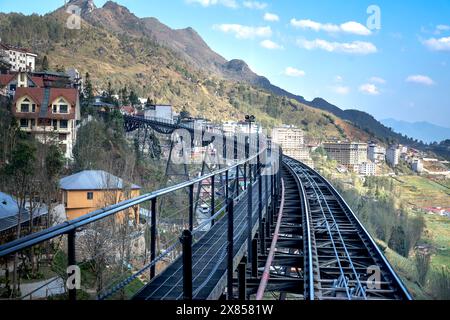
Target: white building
column 393, row 155
column 417, row 165
column 239, row 127
column 376, row 153
column 75, row 78
column 347, row 153
column 163, row 112
column 229, row 126
column 366, row 169
column 292, row 141
column 19, row 59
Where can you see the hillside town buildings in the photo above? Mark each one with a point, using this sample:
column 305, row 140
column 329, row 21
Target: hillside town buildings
column 19, row 59
column 87, row 191
column 393, row 154
column 376, row 153
column 292, row 142
column 347, row 153
column 49, row 114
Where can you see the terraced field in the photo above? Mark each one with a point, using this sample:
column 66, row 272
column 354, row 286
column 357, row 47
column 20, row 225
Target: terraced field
column 421, row 192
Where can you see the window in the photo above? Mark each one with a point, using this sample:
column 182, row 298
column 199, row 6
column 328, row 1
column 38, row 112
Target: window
column 55, row 124
column 33, row 108
column 63, row 108
column 24, row 123
column 55, row 108
column 33, row 122
column 24, row 107
column 63, row 124
column 90, row 196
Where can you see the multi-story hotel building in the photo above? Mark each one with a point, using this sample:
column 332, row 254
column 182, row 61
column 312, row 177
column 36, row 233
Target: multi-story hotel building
column 292, row 141
column 347, row 153
column 376, row 153
column 393, row 155
column 49, row 114
column 19, row 59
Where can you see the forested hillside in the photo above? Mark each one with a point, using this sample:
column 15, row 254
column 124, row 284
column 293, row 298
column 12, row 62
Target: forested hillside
column 151, row 69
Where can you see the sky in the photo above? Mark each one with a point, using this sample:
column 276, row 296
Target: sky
column 388, row 58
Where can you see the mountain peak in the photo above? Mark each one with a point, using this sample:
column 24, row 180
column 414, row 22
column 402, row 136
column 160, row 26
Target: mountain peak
column 114, row 6
column 237, row 65
column 86, row 6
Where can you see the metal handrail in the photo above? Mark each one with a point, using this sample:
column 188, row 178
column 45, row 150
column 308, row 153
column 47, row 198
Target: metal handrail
column 69, row 226
column 266, row 274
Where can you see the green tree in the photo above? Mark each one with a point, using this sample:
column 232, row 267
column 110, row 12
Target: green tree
column 45, row 64
column 422, row 261
column 184, row 114
column 133, row 98
column 124, row 96
column 88, row 93
column 20, row 171
column 397, row 241
column 60, row 68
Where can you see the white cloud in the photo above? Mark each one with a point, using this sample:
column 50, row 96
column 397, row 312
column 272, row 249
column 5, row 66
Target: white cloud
column 255, row 5
column 350, row 27
column 377, row 80
column 338, row 78
column 441, row 44
column 268, row 44
column 293, row 72
column 244, row 32
column 442, row 28
column 355, row 28
column 207, row 3
column 271, row 17
column 342, row 90
column 355, row 47
column 370, row 89
column 312, row 25
column 420, row 79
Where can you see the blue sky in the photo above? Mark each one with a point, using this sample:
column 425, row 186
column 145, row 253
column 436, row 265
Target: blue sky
column 323, row 48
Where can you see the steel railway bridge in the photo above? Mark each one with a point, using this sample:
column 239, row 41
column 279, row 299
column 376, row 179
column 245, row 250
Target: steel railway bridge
column 276, row 229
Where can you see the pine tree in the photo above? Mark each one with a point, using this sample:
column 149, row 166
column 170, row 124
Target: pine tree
column 88, row 93
column 134, row 99
column 45, row 64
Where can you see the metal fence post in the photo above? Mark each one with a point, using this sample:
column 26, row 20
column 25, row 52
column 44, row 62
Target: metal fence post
column 230, row 257
column 237, row 167
column 242, row 279
column 71, row 260
column 213, row 198
column 260, row 198
column 186, row 240
column 254, row 262
column 191, row 207
column 227, row 188
column 262, row 235
column 153, row 239
column 250, row 219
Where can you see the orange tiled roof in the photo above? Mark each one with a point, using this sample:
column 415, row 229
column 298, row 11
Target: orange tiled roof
column 37, row 94
column 38, row 81
column 6, row 78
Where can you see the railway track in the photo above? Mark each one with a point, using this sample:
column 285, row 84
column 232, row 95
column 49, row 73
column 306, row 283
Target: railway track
column 341, row 260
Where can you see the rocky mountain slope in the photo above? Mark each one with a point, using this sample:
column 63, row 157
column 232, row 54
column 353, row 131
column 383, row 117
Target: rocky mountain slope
column 178, row 67
column 191, row 47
